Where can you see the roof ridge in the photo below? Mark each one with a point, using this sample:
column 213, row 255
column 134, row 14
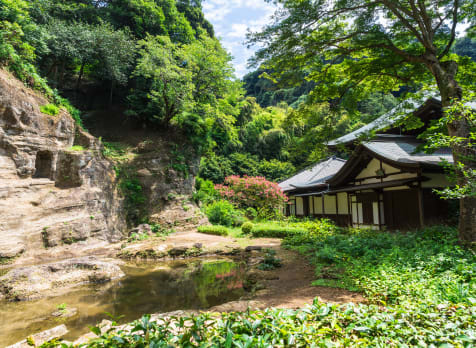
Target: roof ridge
column 312, row 166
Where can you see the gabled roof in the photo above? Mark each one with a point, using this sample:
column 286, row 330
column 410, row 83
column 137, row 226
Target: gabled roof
column 404, row 151
column 399, row 151
column 388, row 119
column 313, row 176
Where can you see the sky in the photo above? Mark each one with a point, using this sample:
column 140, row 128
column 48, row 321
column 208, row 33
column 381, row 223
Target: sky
column 231, row 20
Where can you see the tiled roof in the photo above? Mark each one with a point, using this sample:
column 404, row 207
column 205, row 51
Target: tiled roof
column 384, row 121
column 389, row 118
column 403, row 151
column 313, row 176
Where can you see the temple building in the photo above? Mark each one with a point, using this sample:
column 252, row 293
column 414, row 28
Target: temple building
column 387, row 182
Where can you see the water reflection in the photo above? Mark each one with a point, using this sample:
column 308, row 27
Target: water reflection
column 147, row 288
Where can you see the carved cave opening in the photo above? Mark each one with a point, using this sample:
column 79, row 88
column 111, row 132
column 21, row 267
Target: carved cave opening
column 43, row 165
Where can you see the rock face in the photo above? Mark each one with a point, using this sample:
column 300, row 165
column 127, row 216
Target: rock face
column 49, row 193
column 33, row 282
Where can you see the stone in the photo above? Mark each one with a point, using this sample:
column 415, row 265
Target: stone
column 198, row 245
column 144, row 173
column 142, row 229
column 253, row 248
column 65, row 313
column 177, row 251
column 42, row 337
column 33, row 282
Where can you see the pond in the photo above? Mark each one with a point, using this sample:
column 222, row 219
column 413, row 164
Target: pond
column 146, row 288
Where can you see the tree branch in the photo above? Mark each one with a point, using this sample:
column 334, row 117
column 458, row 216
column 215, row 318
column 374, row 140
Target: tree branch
column 392, row 6
column 418, row 16
column 453, row 30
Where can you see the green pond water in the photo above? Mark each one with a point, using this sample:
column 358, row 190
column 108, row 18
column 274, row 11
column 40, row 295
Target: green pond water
column 146, row 288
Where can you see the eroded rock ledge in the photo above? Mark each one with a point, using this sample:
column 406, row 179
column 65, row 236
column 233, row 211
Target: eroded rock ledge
column 28, row 283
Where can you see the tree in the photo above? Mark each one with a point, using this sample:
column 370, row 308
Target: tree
column 108, row 52
column 352, row 47
column 466, row 46
column 183, row 85
column 164, row 82
column 151, row 17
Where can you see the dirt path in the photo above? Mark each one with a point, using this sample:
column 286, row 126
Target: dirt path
column 290, row 285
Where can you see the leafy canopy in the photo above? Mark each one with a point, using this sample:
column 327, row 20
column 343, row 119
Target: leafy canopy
column 351, row 47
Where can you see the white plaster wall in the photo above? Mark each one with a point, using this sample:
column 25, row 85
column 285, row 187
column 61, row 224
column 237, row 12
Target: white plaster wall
column 330, row 204
column 299, row 206
column 317, row 205
column 373, row 166
column 343, row 204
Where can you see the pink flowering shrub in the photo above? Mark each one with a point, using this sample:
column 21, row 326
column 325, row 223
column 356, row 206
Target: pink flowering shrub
column 255, row 192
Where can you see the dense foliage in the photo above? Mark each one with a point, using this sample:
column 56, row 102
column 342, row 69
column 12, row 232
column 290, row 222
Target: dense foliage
column 159, row 60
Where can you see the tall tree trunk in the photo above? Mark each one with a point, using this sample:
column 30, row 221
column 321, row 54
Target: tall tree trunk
column 450, row 90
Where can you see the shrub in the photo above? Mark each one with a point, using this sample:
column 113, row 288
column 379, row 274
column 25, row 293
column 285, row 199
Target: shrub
column 247, row 227
column 275, row 230
column 251, row 213
column 215, row 230
column 49, row 109
column 239, row 219
column 221, row 213
column 254, row 192
column 204, row 191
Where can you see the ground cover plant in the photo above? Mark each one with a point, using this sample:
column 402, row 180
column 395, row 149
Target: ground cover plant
column 419, row 286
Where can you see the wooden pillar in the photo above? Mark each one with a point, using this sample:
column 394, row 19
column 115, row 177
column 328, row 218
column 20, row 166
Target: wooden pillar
column 323, row 206
column 349, row 208
column 378, row 208
column 420, row 205
column 337, row 204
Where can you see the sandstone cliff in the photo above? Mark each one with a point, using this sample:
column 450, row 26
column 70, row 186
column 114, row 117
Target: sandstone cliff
column 51, row 193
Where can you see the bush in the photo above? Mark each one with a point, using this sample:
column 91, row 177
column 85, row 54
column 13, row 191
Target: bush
column 275, row 231
column 215, row 230
column 254, row 192
column 247, row 227
column 204, row 191
column 221, row 213
column 49, row 109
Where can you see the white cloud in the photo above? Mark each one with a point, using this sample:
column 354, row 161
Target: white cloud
column 232, row 19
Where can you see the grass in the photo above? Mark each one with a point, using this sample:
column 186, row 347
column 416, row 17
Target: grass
column 77, row 148
column 50, row 109
column 116, row 151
